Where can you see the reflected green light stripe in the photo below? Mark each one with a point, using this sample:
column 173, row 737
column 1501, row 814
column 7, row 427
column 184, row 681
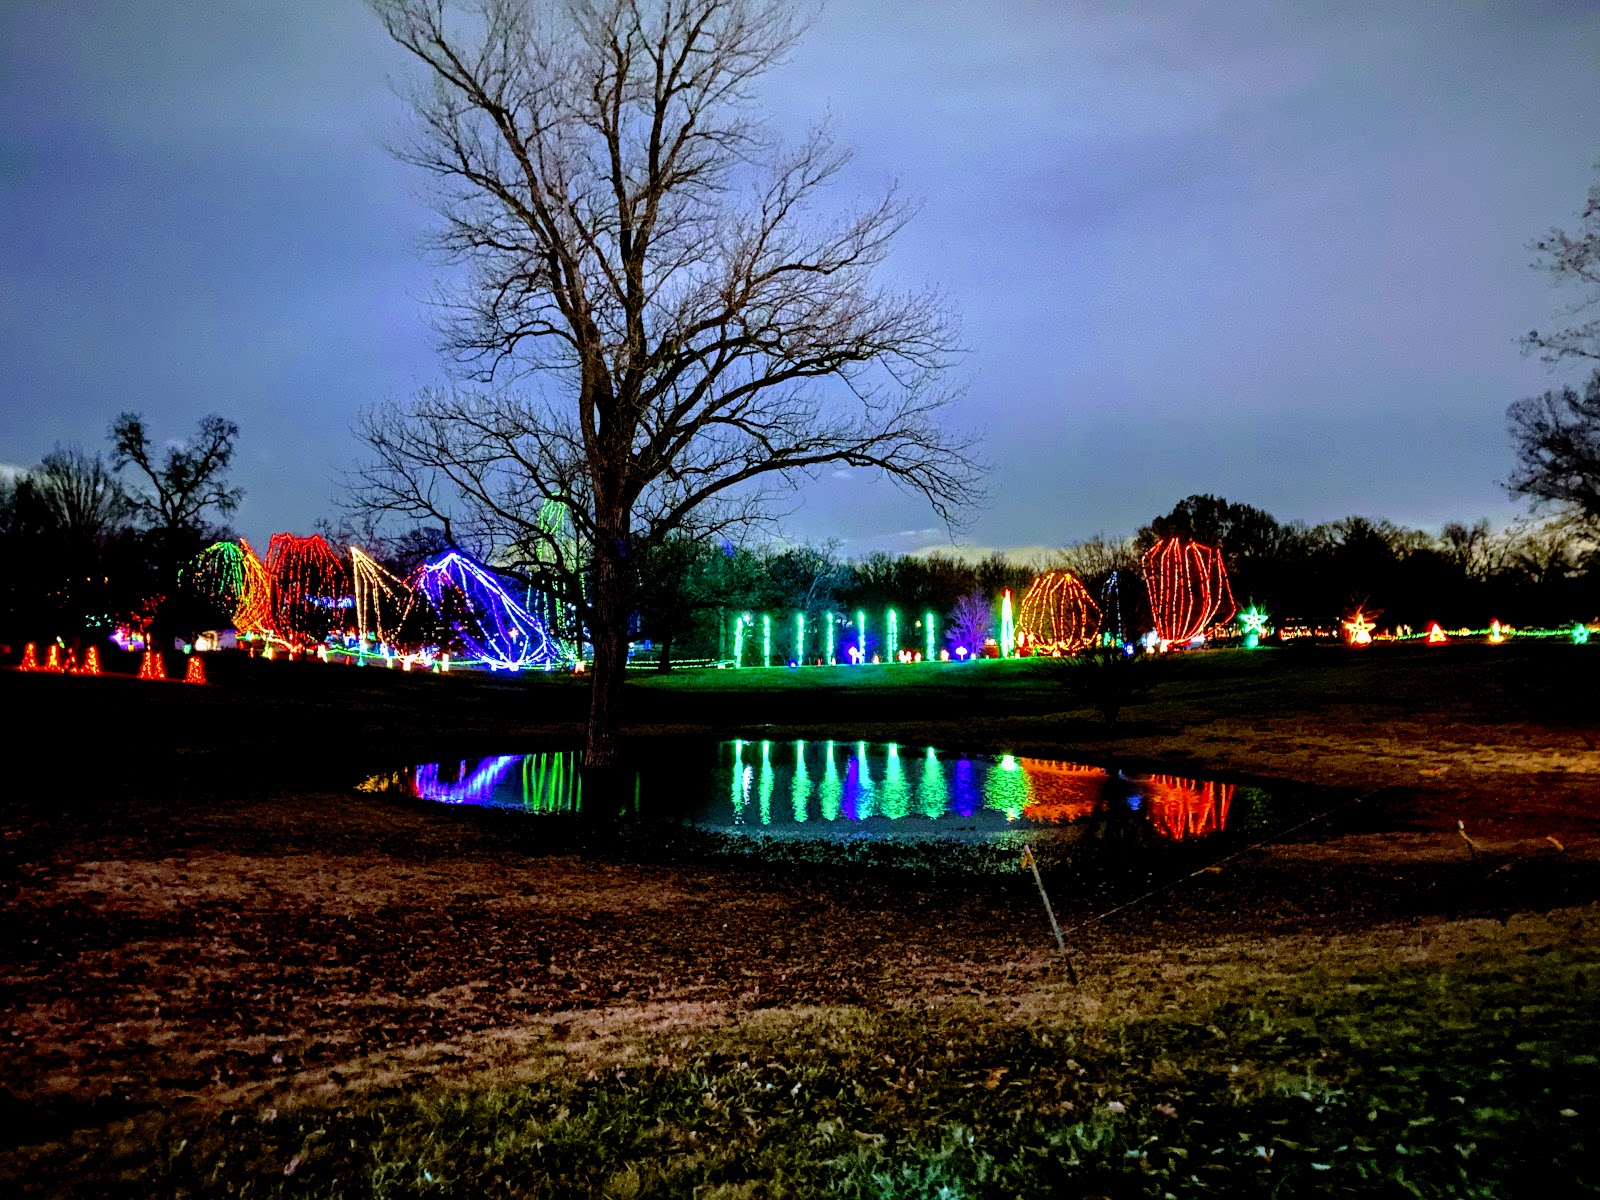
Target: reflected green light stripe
column 1006, row 788
column 933, row 796
column 765, row 790
column 831, row 793
column 896, row 791
column 800, row 790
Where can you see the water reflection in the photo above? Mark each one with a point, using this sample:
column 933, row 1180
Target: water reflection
column 830, row 789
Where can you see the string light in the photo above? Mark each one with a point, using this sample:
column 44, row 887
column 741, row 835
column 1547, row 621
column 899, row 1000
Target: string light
column 196, row 671
column 152, row 667
column 1580, row 634
column 800, row 637
column 503, row 635
column 861, row 636
column 927, row 634
column 1058, row 616
column 1188, row 586
column 309, row 586
column 1358, row 628
column 828, row 622
column 91, row 662
column 230, row 577
column 738, row 638
column 377, row 595
column 1436, row 635
column 1008, row 627
column 1497, row 633
column 766, row 640
column 52, row 660
column 30, row 658
column 892, row 635
column 1184, row 808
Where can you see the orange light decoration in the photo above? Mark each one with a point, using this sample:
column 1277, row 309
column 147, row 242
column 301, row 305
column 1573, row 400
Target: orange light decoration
column 91, row 662
column 1189, row 590
column 52, row 660
column 1436, row 635
column 196, row 672
column 234, row 580
column 1058, row 616
column 1059, row 792
column 151, row 667
column 310, row 588
column 1358, row 628
column 1186, row 808
column 30, row 658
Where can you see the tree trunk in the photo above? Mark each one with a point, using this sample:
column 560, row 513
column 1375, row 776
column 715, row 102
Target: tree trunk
column 609, row 634
column 665, row 662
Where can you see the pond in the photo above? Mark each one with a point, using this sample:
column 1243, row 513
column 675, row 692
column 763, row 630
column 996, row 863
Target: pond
column 857, row 791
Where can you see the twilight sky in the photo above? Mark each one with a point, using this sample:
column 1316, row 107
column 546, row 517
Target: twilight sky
column 1273, row 251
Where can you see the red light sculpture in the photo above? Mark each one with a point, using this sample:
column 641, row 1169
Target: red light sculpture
column 1058, row 616
column 1188, row 587
column 196, row 672
column 30, row 658
column 91, row 662
column 152, row 667
column 310, row 589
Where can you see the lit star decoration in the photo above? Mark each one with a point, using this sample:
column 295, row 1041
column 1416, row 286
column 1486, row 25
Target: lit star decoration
column 1253, row 625
column 1358, row 628
column 1580, row 634
column 503, row 635
column 1058, row 616
column 1189, row 590
column 309, row 588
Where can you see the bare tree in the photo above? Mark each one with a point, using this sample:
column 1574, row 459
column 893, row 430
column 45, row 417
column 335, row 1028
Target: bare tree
column 1572, row 260
column 189, row 482
column 658, row 334
column 1557, row 439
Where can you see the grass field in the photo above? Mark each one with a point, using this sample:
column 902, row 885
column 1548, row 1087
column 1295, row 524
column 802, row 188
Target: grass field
column 228, row 973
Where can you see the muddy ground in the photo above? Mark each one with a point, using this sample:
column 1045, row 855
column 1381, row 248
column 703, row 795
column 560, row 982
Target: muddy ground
column 201, row 913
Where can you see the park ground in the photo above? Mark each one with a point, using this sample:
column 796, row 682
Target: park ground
column 226, row 970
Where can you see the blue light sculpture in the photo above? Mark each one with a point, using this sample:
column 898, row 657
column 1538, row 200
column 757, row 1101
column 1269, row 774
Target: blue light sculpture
column 508, row 636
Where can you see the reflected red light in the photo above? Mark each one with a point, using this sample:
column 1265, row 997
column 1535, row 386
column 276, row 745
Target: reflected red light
column 1184, row 808
column 1061, row 793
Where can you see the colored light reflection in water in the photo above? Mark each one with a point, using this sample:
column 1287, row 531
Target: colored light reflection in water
column 831, row 789
column 864, row 787
column 540, row 783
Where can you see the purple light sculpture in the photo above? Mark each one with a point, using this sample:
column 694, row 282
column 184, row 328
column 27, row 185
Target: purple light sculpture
column 511, row 637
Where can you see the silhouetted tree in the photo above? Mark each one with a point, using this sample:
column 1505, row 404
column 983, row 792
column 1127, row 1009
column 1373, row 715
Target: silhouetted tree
column 639, row 251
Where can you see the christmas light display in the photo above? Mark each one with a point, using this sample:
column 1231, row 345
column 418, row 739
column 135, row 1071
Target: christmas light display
column 381, row 599
column 310, row 588
column 232, row 580
column 91, row 662
column 1253, row 625
column 1058, row 616
column 52, row 660
column 738, row 637
column 1008, row 627
column 1436, row 634
column 927, row 636
column 861, row 636
column 1497, row 633
column 828, row 624
column 30, row 658
column 152, row 667
column 501, row 634
column 196, row 671
column 1580, row 634
column 766, row 640
column 1188, row 586
column 800, row 638
column 1358, row 628
column 892, row 636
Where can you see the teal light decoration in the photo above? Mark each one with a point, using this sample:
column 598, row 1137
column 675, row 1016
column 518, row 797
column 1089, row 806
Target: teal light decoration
column 800, row 639
column 738, row 637
column 927, row 636
column 1580, row 634
column 827, row 622
column 1253, row 624
column 766, row 640
column 893, row 637
column 861, row 635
